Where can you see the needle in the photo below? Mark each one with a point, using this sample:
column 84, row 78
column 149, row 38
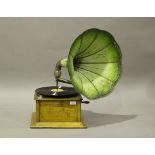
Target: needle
column 57, row 85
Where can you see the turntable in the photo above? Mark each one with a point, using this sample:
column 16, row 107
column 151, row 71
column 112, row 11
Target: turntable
column 94, row 67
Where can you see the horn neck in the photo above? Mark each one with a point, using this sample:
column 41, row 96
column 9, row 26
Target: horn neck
column 57, row 73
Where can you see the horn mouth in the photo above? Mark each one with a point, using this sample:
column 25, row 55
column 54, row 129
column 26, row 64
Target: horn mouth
column 94, row 63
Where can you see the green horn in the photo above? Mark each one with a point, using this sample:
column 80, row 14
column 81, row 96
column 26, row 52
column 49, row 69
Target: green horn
column 94, row 64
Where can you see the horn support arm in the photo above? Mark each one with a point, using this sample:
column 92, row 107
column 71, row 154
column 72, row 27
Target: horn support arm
column 57, row 73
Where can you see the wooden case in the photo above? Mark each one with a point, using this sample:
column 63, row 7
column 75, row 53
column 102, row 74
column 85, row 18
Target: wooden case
column 57, row 113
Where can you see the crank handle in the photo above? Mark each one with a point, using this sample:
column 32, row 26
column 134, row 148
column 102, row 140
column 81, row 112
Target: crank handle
column 85, row 102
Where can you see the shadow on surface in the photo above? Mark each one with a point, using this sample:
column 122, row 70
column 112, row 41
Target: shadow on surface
column 93, row 119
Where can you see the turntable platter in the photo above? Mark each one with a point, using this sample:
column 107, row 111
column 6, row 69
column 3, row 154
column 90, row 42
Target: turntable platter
column 60, row 92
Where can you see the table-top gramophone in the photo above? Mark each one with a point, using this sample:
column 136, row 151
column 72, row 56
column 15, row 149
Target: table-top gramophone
column 94, row 67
